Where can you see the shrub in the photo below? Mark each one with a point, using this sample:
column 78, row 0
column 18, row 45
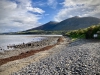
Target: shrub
column 84, row 33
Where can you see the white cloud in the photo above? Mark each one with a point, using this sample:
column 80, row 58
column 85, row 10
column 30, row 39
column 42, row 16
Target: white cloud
column 38, row 10
column 15, row 15
column 78, row 8
column 52, row 3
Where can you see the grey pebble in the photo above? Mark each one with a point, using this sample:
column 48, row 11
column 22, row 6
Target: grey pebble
column 79, row 58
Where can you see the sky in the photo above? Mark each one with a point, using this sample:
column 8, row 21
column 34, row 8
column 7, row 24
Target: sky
column 19, row 15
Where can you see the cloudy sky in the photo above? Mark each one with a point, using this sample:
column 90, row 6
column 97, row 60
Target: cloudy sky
column 18, row 15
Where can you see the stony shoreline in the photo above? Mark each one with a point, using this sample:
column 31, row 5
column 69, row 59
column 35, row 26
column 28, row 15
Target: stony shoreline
column 52, row 41
column 22, row 48
column 81, row 57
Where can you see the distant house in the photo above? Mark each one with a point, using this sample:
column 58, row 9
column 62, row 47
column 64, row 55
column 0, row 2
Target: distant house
column 92, row 35
column 98, row 33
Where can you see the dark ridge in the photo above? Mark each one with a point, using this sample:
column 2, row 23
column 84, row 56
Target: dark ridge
column 48, row 26
column 69, row 24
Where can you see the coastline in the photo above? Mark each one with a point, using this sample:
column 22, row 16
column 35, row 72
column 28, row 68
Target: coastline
column 81, row 57
column 23, row 48
column 30, row 53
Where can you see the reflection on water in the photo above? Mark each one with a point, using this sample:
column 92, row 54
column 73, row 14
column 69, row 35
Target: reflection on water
column 17, row 39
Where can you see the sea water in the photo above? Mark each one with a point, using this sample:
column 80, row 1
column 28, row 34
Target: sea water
column 8, row 40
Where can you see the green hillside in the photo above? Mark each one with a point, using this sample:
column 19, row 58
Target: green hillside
column 85, row 32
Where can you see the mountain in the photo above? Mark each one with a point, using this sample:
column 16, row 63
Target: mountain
column 48, row 26
column 69, row 24
column 77, row 23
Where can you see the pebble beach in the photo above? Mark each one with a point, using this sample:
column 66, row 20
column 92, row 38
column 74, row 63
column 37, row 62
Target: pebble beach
column 80, row 57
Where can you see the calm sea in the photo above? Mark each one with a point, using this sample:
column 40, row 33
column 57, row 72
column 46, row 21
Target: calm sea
column 19, row 39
